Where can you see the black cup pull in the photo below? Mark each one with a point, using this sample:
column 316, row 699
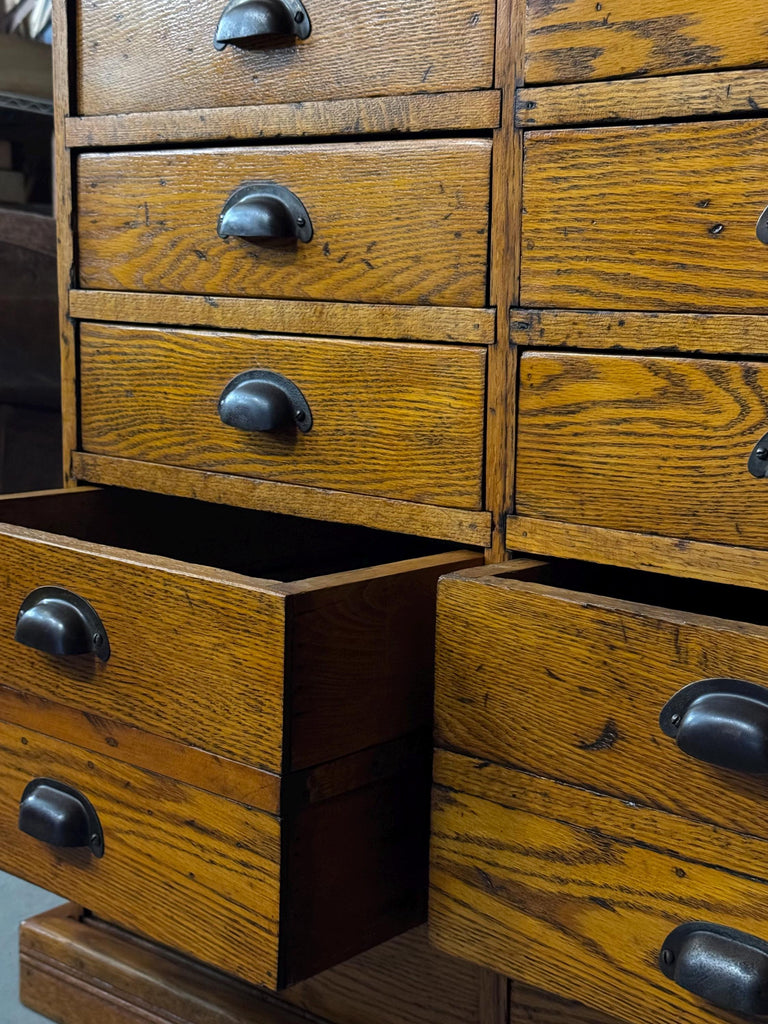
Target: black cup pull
column 55, row 813
column 263, row 211
column 721, row 965
column 244, row 22
column 758, row 459
column 721, row 721
column 259, row 400
column 56, row 621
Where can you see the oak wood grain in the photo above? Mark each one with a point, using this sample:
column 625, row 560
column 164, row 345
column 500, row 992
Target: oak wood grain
column 82, row 958
column 658, row 217
column 719, row 563
column 574, row 40
column 353, row 50
column 403, row 222
column 574, row 893
column 690, row 333
column 643, row 444
column 400, row 421
column 532, row 1006
column 199, row 873
column 563, row 670
column 379, row 115
column 286, row 316
column 672, row 97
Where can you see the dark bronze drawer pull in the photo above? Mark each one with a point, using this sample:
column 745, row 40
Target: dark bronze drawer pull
column 726, row 967
column 56, row 621
column 259, row 400
column 245, row 21
column 721, row 721
column 55, row 813
column 758, row 460
column 263, row 211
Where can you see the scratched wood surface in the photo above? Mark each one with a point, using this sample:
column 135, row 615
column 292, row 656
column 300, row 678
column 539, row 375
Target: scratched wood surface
column 393, row 222
column 574, row 893
column 646, row 444
column 572, row 40
column 198, row 873
column 648, row 217
column 398, row 421
column 563, row 670
column 353, row 50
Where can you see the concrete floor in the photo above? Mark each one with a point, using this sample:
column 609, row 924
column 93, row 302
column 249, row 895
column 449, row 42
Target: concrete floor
column 17, row 901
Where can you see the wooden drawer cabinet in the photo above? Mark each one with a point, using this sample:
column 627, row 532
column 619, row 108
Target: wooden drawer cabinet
column 646, row 217
column 401, row 421
column 570, row 834
column 643, row 443
column 577, row 41
column 167, row 61
column 399, row 222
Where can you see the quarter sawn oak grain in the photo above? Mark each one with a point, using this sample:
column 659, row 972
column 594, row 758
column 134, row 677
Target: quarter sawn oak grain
column 403, row 222
column 398, row 421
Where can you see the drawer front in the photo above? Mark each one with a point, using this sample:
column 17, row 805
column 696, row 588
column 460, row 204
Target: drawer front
column 401, row 222
column 575, row 893
column 570, row 42
column 353, row 49
column 548, row 670
column 189, row 870
column 657, row 445
column 648, row 218
column 176, row 633
column 401, row 421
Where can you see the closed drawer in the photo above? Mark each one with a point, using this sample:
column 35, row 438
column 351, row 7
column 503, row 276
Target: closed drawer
column 270, row 899
column 578, row 41
column 563, row 669
column 577, row 893
column 274, row 642
column 352, row 50
column 401, row 421
column 401, row 222
column 648, row 218
column 656, row 445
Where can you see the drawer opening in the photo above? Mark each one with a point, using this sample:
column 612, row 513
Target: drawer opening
column 687, row 595
column 245, row 541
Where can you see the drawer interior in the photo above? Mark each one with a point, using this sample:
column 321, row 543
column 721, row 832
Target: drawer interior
column 614, row 583
column 252, row 543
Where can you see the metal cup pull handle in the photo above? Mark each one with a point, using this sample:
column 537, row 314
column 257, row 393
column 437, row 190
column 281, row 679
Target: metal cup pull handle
column 721, row 721
column 56, row 621
column 57, row 814
column 264, row 212
column 259, row 400
column 247, row 21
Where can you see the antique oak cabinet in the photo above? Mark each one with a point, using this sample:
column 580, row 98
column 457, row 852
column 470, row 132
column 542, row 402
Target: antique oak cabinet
column 355, row 297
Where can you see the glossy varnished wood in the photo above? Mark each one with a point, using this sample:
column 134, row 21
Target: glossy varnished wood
column 353, row 50
column 563, row 671
column 655, row 217
column 199, row 873
column 643, row 443
column 399, row 421
column 574, row 893
column 574, row 40
column 74, row 965
column 402, row 222
column 350, row 319
column 690, row 333
column 436, row 112
column 643, row 99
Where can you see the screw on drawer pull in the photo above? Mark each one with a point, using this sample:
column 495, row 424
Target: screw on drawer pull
column 56, row 621
column 758, row 460
column 55, row 813
column 726, row 967
column 259, row 400
column 244, row 22
column 263, row 211
column 721, row 721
